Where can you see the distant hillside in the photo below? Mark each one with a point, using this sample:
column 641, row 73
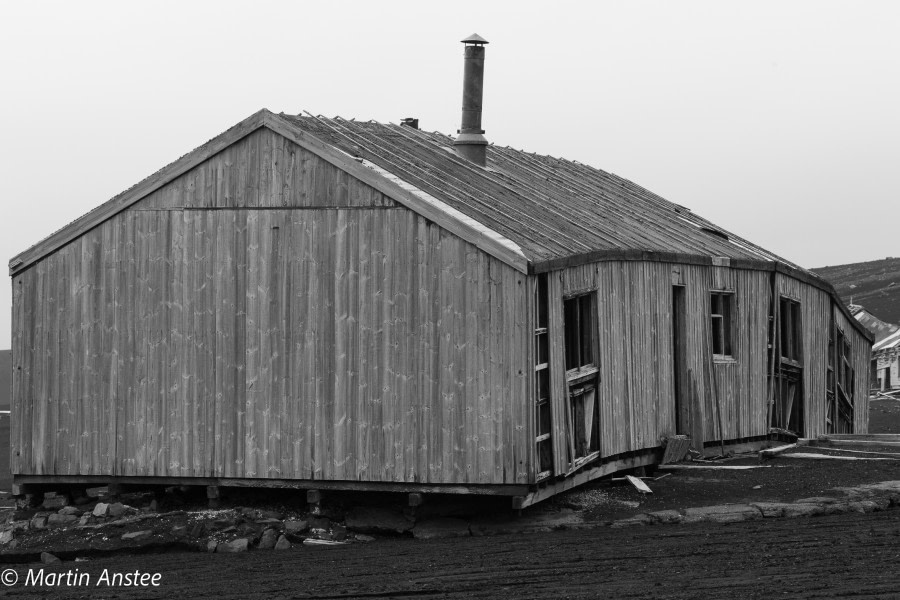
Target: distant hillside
column 874, row 285
column 5, row 378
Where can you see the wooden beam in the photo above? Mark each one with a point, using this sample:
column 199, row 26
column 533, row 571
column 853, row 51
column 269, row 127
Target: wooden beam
column 815, row 456
column 298, row 484
column 825, row 441
column 860, row 437
column 770, row 452
column 593, row 256
column 638, row 484
column 649, row 457
column 711, row 466
column 848, row 450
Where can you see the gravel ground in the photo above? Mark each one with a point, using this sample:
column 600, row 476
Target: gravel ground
column 847, row 556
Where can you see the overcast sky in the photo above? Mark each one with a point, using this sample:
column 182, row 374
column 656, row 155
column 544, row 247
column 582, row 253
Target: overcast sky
column 779, row 121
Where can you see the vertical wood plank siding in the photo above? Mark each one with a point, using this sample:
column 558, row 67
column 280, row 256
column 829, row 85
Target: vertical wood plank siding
column 332, row 335
column 861, row 351
column 634, row 320
column 817, row 308
column 266, row 315
column 263, row 170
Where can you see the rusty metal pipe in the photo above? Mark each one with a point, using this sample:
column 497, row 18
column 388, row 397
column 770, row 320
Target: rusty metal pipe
column 471, row 143
column 473, row 90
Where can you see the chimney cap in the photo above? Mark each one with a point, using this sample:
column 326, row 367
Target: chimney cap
column 475, row 39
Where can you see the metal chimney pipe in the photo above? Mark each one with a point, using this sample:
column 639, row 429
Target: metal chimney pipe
column 471, row 143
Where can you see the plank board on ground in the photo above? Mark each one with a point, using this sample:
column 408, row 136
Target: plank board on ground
column 640, row 485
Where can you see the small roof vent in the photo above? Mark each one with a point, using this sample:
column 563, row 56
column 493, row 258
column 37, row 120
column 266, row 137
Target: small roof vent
column 715, row 232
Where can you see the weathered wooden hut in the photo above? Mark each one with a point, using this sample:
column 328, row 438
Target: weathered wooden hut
column 324, row 303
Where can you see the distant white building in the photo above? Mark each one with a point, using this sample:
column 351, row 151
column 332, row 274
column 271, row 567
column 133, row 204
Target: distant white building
column 885, row 370
column 886, row 357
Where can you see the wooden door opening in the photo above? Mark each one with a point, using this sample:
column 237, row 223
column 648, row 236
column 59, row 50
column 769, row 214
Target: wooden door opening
column 582, row 374
column 788, row 410
column 840, row 384
column 681, row 382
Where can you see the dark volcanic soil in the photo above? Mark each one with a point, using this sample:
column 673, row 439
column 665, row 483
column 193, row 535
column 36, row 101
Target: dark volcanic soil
column 781, row 480
column 847, row 556
column 884, row 416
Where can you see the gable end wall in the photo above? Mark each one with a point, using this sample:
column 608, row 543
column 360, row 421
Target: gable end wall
column 265, row 315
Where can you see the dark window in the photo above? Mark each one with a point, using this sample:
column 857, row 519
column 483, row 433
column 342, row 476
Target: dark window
column 791, row 340
column 578, row 315
column 721, row 311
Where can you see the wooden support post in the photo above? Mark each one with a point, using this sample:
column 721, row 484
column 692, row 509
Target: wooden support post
column 415, row 501
column 314, row 500
column 517, row 503
column 696, row 415
column 114, row 490
column 212, row 495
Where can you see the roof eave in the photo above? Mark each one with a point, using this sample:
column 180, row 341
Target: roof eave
column 434, row 210
column 702, row 260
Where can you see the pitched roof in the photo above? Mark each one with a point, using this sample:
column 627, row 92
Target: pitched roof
column 551, row 208
column 880, row 329
column 524, row 207
column 535, row 213
column 891, row 341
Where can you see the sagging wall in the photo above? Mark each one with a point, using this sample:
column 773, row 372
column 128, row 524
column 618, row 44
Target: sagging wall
column 335, row 337
column 861, row 351
column 636, row 390
column 635, row 322
column 817, row 310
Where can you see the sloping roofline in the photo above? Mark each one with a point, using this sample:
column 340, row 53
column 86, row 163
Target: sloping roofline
column 416, row 200
column 888, row 342
column 406, row 194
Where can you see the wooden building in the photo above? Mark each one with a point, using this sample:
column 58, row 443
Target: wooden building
column 885, row 366
column 886, row 363
column 324, row 303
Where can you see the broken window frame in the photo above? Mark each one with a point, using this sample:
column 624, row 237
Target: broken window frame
column 580, row 333
column 791, row 330
column 721, row 313
column 845, row 382
column 581, row 347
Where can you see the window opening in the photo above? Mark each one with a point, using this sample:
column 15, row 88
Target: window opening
column 720, row 312
column 791, row 341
